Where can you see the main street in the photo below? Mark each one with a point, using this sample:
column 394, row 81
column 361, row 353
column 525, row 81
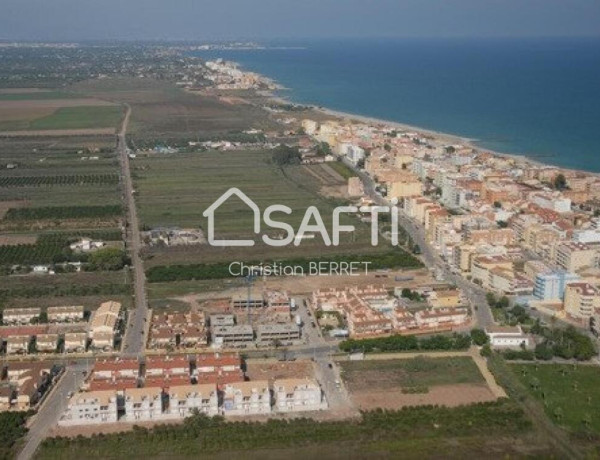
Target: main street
column 53, row 407
column 134, row 339
column 430, row 257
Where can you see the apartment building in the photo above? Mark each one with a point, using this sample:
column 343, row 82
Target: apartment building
column 573, row 257
column 482, row 265
column 238, row 336
column 102, row 325
column 143, row 404
column 551, row 285
column 20, row 315
column 581, row 299
column 91, row 407
column 441, row 318
column 276, row 333
column 46, row 343
column 219, row 368
column 247, row 398
column 29, row 382
column 298, row 395
column 17, row 344
column 75, row 342
column 65, row 314
column 184, row 400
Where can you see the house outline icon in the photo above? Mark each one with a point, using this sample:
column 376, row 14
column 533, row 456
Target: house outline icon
column 209, row 213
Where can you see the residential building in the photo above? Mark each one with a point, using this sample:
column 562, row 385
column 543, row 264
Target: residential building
column 20, row 315
column 581, row 299
column 247, row 398
column 184, row 400
column 75, row 342
column 240, row 335
column 275, row 333
column 143, row 404
column 46, row 343
column 574, row 257
column 91, row 407
column 66, row 314
column 297, row 395
column 551, row 285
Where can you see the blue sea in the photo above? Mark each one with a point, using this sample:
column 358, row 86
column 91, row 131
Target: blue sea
column 533, row 97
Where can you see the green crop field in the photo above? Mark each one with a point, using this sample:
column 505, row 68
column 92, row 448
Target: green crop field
column 569, row 393
column 80, row 118
column 37, row 95
column 175, row 189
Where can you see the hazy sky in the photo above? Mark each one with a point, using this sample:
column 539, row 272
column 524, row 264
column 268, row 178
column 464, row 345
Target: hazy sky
column 264, row 19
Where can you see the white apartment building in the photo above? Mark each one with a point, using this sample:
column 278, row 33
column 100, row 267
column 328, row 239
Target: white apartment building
column 296, row 395
column 75, row 342
column 143, row 404
column 20, row 315
column 185, row 399
column 66, row 314
column 17, row 344
column 247, row 398
column 91, row 407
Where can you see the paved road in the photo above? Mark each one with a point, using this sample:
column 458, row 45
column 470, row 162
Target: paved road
column 134, row 339
column 52, row 408
column 429, row 256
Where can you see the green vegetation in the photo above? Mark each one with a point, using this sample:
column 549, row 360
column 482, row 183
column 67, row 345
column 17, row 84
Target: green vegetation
column 392, row 259
column 285, row 156
column 63, row 212
column 80, row 118
column 81, row 179
column 408, row 343
column 12, row 427
column 37, row 95
column 570, row 394
column 342, row 169
column 375, row 431
column 565, row 343
column 419, row 372
column 479, row 337
column 108, row 259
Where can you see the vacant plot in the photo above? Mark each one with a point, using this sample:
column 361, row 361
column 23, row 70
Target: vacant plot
column 392, row 384
column 162, row 111
column 257, row 370
column 175, row 189
column 570, row 393
column 84, row 117
column 20, row 95
column 52, row 114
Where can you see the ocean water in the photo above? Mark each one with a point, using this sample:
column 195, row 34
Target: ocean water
column 539, row 98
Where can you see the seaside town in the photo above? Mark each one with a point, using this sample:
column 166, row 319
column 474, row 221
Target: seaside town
column 127, row 323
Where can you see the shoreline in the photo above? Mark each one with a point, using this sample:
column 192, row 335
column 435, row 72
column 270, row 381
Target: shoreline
column 520, row 159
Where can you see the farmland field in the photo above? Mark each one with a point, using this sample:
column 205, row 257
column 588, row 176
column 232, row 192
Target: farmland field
column 161, row 111
column 570, row 394
column 175, row 189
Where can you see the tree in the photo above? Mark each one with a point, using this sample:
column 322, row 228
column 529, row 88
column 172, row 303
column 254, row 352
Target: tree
column 560, row 182
column 497, row 205
column 503, row 302
column 543, row 352
column 416, row 249
column 486, row 351
column 479, row 337
column 284, row 155
column 490, row 299
column 108, row 259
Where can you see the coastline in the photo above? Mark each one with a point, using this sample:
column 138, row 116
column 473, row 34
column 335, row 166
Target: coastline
column 521, row 160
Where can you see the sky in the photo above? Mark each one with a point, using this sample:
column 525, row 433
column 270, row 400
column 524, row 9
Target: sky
column 73, row 20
